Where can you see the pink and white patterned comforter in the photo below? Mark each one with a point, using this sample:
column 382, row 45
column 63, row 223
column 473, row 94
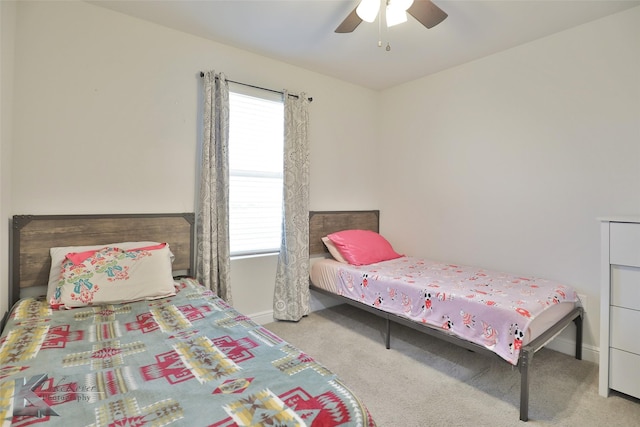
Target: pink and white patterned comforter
column 485, row 307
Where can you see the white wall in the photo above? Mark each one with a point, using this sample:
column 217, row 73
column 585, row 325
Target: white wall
column 107, row 119
column 507, row 161
column 7, row 33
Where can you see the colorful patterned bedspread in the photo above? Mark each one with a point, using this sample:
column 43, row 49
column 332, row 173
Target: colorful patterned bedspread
column 487, row 308
column 189, row 360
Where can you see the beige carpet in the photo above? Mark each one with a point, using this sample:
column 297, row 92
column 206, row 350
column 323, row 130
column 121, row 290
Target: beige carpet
column 422, row 381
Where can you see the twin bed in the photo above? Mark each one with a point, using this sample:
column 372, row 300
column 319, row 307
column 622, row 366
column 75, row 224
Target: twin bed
column 488, row 312
column 154, row 359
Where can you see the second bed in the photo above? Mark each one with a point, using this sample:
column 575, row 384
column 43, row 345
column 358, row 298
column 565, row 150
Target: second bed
column 486, row 311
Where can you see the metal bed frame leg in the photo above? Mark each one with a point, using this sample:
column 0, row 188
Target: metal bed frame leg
column 578, row 322
column 526, row 356
column 388, row 339
column 525, row 360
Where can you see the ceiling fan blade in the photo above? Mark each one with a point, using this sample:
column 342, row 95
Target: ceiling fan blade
column 350, row 23
column 427, row 13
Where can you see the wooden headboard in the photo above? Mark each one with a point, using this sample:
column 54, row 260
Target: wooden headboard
column 33, row 235
column 322, row 223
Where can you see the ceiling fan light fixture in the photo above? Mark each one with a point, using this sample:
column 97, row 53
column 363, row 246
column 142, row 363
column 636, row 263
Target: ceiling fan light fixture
column 424, row 11
column 395, row 15
column 367, row 10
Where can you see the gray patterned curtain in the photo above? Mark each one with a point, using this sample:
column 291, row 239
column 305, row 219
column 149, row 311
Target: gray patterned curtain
column 291, row 295
column 212, row 221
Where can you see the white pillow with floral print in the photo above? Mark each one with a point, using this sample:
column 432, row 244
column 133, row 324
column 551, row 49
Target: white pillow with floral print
column 113, row 275
column 58, row 255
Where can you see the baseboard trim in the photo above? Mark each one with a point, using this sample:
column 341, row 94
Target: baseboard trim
column 317, row 302
column 567, row 346
column 263, row 317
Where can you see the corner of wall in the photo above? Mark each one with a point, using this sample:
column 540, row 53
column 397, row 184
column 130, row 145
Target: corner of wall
column 7, row 53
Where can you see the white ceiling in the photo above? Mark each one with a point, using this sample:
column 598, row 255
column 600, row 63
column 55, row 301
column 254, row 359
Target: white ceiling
column 301, row 32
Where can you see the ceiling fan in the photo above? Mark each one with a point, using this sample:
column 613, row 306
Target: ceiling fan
column 427, row 13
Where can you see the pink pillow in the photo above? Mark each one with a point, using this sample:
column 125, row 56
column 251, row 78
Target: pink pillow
column 361, row 247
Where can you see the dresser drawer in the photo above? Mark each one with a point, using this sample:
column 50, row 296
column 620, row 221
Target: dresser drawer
column 624, row 243
column 624, row 375
column 624, row 330
column 625, row 287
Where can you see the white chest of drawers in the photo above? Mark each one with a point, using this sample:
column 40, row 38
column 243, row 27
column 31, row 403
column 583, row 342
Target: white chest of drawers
column 620, row 306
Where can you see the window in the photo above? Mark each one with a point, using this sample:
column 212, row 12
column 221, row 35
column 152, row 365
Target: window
column 256, row 140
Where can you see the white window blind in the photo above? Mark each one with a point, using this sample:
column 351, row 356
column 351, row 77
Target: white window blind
column 256, row 134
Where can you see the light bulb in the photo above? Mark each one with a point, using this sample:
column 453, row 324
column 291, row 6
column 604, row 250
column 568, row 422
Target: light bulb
column 367, row 10
column 395, row 15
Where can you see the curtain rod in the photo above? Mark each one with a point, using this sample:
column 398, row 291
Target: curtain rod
column 261, row 88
